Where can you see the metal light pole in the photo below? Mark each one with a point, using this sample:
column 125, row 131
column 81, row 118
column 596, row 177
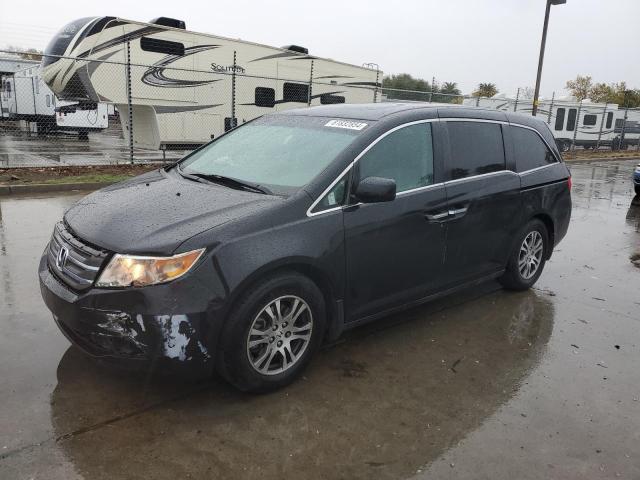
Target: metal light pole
column 534, row 110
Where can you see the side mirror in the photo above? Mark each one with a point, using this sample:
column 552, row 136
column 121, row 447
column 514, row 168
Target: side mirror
column 376, row 189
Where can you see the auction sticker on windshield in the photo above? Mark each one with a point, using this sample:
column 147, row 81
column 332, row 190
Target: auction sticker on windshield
column 345, row 124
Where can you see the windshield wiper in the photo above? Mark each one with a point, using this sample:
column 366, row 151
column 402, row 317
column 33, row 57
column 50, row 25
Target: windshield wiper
column 227, row 181
column 233, row 183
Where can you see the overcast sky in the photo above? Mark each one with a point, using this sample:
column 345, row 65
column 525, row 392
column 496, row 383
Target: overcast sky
column 465, row 41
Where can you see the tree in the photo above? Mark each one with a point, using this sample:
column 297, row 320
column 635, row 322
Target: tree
column 404, row 81
column 26, row 53
column 448, row 93
column 601, row 92
column 580, row 87
column 485, row 90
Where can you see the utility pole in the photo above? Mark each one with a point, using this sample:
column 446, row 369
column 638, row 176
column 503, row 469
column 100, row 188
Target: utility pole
column 536, row 94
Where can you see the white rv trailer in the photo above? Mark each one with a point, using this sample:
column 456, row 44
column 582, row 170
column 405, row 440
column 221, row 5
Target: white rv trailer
column 594, row 126
column 25, row 96
column 182, row 82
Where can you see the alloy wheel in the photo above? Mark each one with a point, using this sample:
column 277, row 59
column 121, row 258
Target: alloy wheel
column 279, row 335
column 530, row 255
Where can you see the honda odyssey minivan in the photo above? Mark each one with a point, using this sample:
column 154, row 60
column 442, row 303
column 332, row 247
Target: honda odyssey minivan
column 247, row 254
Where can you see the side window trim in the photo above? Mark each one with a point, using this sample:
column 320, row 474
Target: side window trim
column 310, row 212
column 557, row 160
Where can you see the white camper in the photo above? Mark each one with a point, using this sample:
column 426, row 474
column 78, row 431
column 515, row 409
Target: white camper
column 182, row 83
column 25, row 96
column 585, row 124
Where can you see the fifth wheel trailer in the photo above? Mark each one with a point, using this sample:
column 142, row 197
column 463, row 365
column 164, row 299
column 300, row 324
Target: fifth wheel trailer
column 182, row 82
column 585, row 124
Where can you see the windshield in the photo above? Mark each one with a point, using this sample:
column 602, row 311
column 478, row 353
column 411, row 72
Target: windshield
column 282, row 153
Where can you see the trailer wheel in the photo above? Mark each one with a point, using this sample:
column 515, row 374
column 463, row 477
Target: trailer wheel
column 563, row 145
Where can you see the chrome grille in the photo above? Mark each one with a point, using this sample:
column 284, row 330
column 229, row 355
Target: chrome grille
column 71, row 260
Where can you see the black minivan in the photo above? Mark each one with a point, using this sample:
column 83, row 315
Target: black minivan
column 254, row 249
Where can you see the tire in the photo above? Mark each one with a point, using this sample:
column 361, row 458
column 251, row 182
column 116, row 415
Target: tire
column 564, row 146
column 517, row 276
column 277, row 338
column 637, row 189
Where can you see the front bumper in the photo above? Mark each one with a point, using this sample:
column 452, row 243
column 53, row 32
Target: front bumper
column 636, row 178
column 131, row 324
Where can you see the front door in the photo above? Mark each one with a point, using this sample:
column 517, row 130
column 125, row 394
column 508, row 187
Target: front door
column 394, row 250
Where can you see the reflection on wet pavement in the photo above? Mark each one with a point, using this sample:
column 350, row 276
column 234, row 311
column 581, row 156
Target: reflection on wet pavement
column 483, row 384
column 61, row 149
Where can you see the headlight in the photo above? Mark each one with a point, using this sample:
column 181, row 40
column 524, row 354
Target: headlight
column 131, row 270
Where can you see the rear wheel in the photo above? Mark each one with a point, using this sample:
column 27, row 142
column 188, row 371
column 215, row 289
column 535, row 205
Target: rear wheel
column 272, row 333
column 528, row 257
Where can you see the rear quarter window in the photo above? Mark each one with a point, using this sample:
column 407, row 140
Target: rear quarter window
column 529, row 149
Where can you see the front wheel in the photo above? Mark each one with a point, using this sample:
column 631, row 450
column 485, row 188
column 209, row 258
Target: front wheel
column 272, row 333
column 528, row 257
column 637, row 189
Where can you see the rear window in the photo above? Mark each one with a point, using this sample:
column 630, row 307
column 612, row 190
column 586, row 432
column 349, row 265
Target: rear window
column 530, row 150
column 476, row 148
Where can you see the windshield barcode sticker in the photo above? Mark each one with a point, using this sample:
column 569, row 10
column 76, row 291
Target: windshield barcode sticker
column 345, row 124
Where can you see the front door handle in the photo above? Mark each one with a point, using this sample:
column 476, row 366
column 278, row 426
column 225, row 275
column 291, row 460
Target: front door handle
column 434, row 217
column 458, row 211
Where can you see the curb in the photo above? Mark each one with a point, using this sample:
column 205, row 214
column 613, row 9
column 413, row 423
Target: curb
column 599, row 159
column 53, row 187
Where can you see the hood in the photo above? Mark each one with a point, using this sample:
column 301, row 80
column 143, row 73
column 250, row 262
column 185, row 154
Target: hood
column 157, row 211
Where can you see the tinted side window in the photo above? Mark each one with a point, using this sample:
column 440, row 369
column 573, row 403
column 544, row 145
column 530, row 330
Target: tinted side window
column 530, row 150
column 559, row 119
column 328, row 99
column 571, row 119
column 476, row 148
column 589, row 120
column 265, row 97
column 295, row 92
column 405, row 155
column 149, row 44
column 609, row 119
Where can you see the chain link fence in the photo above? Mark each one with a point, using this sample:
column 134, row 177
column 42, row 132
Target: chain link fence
column 111, row 109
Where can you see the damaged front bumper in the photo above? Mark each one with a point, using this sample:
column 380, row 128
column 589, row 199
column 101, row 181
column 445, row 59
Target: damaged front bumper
column 128, row 324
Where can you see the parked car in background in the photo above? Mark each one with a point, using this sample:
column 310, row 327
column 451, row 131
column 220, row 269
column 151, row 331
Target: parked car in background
column 253, row 250
column 636, row 179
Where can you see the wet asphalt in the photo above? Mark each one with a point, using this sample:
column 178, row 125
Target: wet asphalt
column 483, row 384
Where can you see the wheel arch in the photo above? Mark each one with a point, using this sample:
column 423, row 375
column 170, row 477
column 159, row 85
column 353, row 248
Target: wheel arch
column 306, row 267
column 548, row 223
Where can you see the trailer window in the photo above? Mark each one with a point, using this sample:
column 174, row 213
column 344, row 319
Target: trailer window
column 589, row 120
column 265, row 97
column 571, row 119
column 329, row 99
column 609, row 119
column 295, row 92
column 161, row 46
column 559, row 119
